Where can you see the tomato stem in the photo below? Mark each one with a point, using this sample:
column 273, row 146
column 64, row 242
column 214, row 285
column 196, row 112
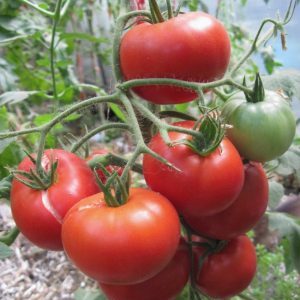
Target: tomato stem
column 170, row 9
column 155, row 12
column 120, row 24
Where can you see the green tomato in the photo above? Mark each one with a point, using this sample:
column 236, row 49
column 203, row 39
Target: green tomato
column 261, row 131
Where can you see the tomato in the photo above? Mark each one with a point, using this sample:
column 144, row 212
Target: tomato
column 166, row 285
column 243, row 214
column 109, row 168
column 227, row 273
column 39, row 213
column 193, row 47
column 205, row 185
column 263, row 130
column 122, row 245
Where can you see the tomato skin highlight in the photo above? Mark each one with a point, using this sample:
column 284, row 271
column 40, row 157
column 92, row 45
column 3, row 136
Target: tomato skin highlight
column 243, row 214
column 38, row 214
column 166, row 285
column 261, row 131
column 193, row 47
column 205, row 185
column 228, row 272
column 122, row 245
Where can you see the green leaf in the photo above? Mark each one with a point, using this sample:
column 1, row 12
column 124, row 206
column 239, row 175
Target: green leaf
column 117, row 111
column 3, row 119
column 5, row 186
column 287, row 80
column 15, row 97
column 276, row 192
column 289, row 162
column 7, row 41
column 288, row 228
column 10, row 156
column 44, row 6
column 183, row 107
column 5, row 251
column 88, row 294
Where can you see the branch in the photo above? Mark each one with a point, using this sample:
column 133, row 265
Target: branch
column 89, row 135
column 120, row 24
column 52, row 50
column 39, row 9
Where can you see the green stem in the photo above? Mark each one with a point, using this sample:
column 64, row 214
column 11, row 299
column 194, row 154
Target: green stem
column 157, row 11
column 81, row 105
column 170, row 9
column 256, row 42
column 161, row 124
column 39, row 9
column 41, row 151
column 120, row 24
column 6, row 135
column 195, row 86
column 93, row 132
column 65, row 8
column 52, row 46
column 114, row 98
column 10, row 237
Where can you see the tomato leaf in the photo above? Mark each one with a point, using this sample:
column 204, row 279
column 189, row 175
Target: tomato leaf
column 288, row 228
column 10, row 156
column 287, row 80
column 276, row 192
column 88, row 294
column 5, row 251
column 15, row 97
column 5, row 185
column 118, row 112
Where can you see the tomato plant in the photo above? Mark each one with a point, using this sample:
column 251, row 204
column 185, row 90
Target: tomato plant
column 166, row 285
column 205, row 185
column 228, row 271
column 243, row 214
column 127, row 244
column 127, row 238
column 192, row 46
column 39, row 213
column 262, row 129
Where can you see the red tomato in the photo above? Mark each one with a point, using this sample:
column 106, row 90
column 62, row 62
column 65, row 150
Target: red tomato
column 205, row 185
column 39, row 213
column 166, row 285
column 122, row 245
column 109, row 168
column 228, row 272
column 193, row 47
column 243, row 214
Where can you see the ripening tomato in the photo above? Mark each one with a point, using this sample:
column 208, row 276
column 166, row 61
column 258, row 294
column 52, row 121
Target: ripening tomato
column 228, row 272
column 166, row 285
column 206, row 184
column 39, row 213
column 127, row 244
column 240, row 216
column 263, row 130
column 109, row 168
column 192, row 46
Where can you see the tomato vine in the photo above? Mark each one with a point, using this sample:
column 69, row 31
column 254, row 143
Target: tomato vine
column 130, row 105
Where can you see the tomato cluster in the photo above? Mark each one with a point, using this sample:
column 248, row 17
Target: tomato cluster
column 134, row 247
